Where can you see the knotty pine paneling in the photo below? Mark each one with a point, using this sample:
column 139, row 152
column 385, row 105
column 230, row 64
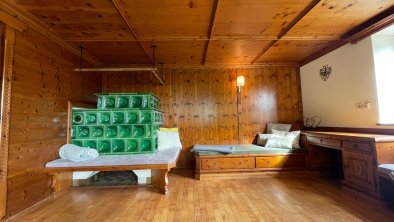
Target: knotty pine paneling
column 42, row 84
column 202, row 102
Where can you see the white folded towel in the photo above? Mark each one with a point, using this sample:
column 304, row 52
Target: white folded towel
column 76, row 153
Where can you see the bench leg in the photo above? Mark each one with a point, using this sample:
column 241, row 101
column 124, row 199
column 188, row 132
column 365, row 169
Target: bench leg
column 160, row 180
column 61, row 181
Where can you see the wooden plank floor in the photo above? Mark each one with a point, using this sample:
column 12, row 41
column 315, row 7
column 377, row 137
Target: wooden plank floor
column 271, row 199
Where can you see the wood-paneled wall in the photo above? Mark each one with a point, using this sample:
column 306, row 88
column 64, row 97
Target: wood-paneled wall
column 43, row 82
column 202, row 102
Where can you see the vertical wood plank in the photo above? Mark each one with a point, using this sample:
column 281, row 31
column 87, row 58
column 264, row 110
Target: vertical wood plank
column 9, row 42
column 202, row 102
column 42, row 84
column 69, row 112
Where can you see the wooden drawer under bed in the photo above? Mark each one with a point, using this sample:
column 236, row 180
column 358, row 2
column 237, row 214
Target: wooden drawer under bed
column 228, row 163
column 281, row 161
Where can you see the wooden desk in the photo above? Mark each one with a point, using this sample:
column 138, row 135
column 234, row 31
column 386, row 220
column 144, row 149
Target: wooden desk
column 361, row 154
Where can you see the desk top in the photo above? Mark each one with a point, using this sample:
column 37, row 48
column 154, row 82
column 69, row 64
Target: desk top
column 345, row 135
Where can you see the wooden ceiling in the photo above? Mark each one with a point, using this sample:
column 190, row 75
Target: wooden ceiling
column 196, row 32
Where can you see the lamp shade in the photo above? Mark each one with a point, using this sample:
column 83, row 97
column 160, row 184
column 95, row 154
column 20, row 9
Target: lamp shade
column 240, row 80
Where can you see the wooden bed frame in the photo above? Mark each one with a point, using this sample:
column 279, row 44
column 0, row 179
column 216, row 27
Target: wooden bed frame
column 252, row 165
column 249, row 165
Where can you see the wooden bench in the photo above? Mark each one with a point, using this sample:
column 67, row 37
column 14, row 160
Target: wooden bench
column 249, row 164
column 160, row 163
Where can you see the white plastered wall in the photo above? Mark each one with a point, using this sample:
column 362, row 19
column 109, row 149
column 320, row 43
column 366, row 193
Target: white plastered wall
column 352, row 82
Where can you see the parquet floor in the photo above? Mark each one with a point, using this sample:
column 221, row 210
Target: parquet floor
column 270, row 199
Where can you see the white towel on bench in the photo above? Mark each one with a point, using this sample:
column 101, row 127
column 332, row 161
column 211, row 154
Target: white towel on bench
column 76, row 153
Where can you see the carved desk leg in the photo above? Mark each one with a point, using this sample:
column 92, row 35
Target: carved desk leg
column 160, row 180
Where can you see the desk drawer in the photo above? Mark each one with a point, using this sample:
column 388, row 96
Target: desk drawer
column 363, row 147
column 324, row 141
column 228, row 163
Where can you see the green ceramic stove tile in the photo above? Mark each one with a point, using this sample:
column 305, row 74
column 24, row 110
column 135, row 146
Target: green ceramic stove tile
column 124, row 123
column 108, row 102
column 90, row 143
column 132, row 145
column 77, row 118
column 118, row 117
column 122, row 102
column 97, row 131
column 147, row 116
column 104, row 146
column 138, row 131
column 73, row 132
column 125, row 131
column 90, row 118
column 127, row 100
column 77, row 142
column 83, row 132
column 118, row 146
column 137, row 102
column 105, row 118
column 133, row 117
column 147, row 145
column 111, row 132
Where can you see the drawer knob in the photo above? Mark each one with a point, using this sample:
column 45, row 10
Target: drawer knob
column 321, row 140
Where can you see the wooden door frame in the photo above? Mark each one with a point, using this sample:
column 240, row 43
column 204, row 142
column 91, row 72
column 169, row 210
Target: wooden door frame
column 8, row 42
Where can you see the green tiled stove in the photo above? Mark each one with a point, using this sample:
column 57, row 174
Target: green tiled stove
column 123, row 123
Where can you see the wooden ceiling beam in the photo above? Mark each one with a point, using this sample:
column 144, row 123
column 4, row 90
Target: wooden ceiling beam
column 211, row 27
column 12, row 21
column 115, row 69
column 32, row 22
column 301, row 15
column 367, row 28
column 197, row 38
column 122, row 12
column 371, row 26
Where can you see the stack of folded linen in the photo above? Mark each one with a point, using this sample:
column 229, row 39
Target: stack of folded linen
column 76, row 153
column 213, row 148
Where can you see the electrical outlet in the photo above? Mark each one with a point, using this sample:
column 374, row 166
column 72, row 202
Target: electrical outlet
column 363, row 105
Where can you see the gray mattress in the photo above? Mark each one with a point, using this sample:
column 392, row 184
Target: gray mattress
column 160, row 157
column 251, row 149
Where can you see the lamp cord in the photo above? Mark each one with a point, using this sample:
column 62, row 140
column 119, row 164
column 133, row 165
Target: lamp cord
column 238, row 102
column 81, row 58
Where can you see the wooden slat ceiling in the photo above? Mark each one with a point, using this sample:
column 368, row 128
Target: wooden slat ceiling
column 178, row 52
column 286, row 50
column 153, row 18
column 193, row 32
column 234, row 52
column 256, row 17
column 95, row 19
column 116, row 53
column 331, row 19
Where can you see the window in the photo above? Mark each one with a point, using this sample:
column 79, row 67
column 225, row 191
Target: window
column 383, row 52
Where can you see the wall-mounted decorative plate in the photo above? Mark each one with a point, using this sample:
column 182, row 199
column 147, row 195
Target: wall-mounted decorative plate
column 325, row 72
